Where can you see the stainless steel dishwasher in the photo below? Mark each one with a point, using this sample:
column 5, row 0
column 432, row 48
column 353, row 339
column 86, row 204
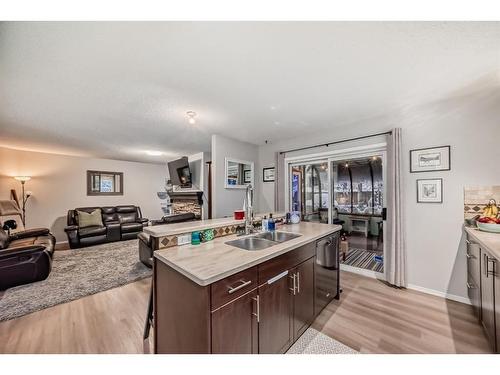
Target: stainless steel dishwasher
column 326, row 272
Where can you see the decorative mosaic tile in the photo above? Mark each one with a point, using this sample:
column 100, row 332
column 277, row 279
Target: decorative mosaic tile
column 476, row 199
column 171, row 241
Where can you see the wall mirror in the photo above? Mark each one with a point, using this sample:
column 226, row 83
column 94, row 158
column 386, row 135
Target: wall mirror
column 239, row 173
column 104, row 183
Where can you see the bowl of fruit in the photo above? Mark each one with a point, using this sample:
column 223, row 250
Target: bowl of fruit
column 489, row 221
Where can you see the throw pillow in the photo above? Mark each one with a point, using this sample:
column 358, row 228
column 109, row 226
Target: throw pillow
column 4, row 239
column 92, row 219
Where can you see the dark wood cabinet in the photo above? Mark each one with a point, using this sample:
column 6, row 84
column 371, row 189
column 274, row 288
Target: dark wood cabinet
column 488, row 296
column 263, row 309
column 275, row 314
column 474, row 294
column 303, row 297
column 483, row 287
column 235, row 326
column 497, row 302
column 473, row 255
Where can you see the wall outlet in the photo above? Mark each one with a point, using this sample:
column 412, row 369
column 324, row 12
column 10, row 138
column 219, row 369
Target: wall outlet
column 184, row 239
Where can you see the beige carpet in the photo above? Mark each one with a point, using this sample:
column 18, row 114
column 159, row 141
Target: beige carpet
column 315, row 342
column 75, row 274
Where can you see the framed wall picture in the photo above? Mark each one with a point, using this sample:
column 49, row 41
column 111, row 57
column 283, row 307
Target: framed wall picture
column 104, row 183
column 430, row 159
column 247, row 176
column 268, row 174
column 430, row 190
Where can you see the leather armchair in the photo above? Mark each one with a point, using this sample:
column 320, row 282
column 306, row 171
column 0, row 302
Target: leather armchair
column 145, row 240
column 119, row 223
column 25, row 257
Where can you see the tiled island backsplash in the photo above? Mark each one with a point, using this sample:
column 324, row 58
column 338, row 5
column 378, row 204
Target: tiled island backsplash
column 476, row 198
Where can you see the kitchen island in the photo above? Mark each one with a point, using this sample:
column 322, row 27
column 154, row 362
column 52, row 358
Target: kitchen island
column 218, row 298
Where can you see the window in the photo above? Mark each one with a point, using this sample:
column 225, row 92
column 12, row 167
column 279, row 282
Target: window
column 104, row 183
column 358, row 186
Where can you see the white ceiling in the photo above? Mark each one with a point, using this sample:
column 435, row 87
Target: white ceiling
column 115, row 90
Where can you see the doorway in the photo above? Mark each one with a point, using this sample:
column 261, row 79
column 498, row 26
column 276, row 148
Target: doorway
column 357, row 205
column 344, row 187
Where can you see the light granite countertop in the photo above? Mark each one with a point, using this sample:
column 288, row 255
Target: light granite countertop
column 191, row 226
column 490, row 241
column 214, row 260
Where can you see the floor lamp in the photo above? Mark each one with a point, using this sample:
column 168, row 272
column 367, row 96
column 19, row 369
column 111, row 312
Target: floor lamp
column 24, row 197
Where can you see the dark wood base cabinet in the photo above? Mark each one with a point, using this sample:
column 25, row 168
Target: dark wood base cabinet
column 235, row 327
column 483, row 284
column 264, row 309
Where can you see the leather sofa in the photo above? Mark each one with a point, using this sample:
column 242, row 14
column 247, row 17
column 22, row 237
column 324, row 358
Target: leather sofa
column 145, row 241
column 25, row 256
column 119, row 223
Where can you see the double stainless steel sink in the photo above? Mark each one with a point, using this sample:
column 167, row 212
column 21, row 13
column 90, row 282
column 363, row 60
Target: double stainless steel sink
column 262, row 241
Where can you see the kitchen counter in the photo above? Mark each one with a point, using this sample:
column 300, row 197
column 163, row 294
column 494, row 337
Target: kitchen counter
column 215, row 260
column 191, row 226
column 491, row 241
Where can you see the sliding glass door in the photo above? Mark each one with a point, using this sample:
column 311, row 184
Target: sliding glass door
column 310, row 190
column 345, row 189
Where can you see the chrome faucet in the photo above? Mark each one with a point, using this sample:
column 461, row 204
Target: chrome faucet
column 248, row 203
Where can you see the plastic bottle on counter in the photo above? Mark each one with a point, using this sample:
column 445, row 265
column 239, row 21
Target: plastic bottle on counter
column 265, row 224
column 271, row 225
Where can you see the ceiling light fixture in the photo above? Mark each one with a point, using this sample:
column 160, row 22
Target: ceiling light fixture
column 154, row 153
column 191, row 117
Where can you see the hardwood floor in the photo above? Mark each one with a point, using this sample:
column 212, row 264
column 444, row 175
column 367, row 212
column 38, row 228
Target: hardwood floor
column 370, row 317
column 106, row 322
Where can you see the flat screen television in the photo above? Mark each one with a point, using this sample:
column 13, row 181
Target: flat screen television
column 179, row 171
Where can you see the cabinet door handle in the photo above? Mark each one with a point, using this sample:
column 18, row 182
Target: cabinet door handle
column 257, row 314
column 468, row 255
column 236, row 288
column 294, row 281
column 277, row 277
column 470, row 286
column 486, row 265
column 298, row 282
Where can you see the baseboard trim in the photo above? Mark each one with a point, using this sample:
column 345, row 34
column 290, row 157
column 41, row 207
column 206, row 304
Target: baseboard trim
column 381, row 276
column 363, row 272
column 437, row 293
column 62, row 245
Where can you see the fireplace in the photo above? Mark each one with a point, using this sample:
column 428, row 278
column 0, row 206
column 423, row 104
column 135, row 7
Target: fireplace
column 189, row 201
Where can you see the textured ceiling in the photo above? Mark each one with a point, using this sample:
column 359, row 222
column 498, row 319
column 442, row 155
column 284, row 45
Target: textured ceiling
column 117, row 89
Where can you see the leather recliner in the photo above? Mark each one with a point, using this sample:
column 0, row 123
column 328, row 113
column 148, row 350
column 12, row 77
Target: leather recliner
column 145, row 240
column 25, row 256
column 119, row 223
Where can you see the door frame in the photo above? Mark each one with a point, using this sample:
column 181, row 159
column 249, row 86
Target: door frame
column 329, row 157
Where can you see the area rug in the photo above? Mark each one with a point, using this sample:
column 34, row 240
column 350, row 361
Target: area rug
column 363, row 259
column 75, row 274
column 315, row 342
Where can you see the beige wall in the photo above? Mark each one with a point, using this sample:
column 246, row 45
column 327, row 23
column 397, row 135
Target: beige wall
column 225, row 201
column 59, row 183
